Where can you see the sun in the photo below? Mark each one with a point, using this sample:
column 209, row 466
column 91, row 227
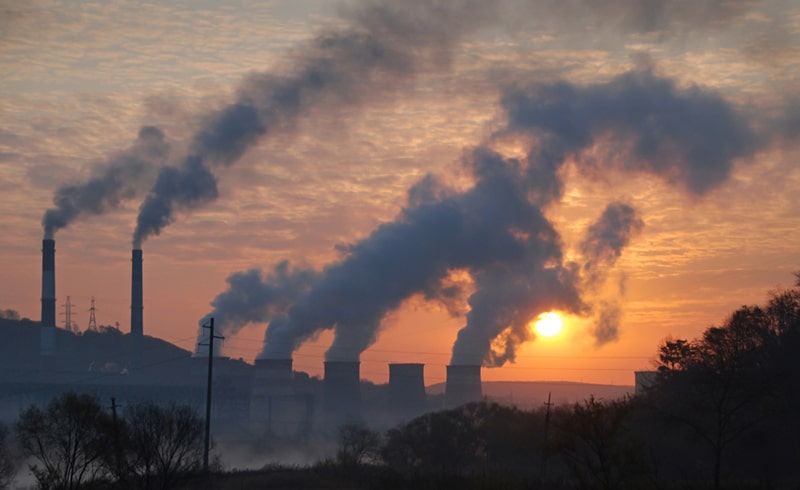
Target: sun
column 549, row 324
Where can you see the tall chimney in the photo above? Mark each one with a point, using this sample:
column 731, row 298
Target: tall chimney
column 47, row 339
column 463, row 385
column 342, row 393
column 137, row 309
column 277, row 405
column 407, row 397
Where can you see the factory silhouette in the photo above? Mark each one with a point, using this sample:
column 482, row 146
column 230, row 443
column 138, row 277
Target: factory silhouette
column 267, row 397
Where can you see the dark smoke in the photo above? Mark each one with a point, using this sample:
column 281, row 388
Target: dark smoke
column 385, row 45
column 491, row 227
column 186, row 186
column 122, row 177
column 607, row 318
column 497, row 230
column 605, row 240
column 689, row 137
column 255, row 297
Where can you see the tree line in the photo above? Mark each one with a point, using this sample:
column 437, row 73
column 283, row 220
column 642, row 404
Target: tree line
column 75, row 442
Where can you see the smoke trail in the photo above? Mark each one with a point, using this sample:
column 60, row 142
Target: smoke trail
column 122, row 177
column 385, row 45
column 253, row 296
column 689, row 137
column 605, row 240
column 603, row 245
column 497, row 231
column 607, row 319
column 488, row 227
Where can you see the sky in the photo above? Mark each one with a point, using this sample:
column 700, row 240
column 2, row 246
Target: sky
column 416, row 174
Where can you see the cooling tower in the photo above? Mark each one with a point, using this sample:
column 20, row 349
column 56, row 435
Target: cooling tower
column 463, row 385
column 47, row 338
column 407, row 397
column 277, row 405
column 137, row 309
column 341, row 393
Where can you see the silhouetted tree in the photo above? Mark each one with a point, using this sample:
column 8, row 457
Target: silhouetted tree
column 439, row 441
column 68, row 439
column 357, row 445
column 594, row 440
column 9, row 314
column 161, row 443
column 8, row 461
column 714, row 385
column 673, row 354
column 477, row 435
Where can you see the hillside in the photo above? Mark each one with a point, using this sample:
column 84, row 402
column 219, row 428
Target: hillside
column 104, row 356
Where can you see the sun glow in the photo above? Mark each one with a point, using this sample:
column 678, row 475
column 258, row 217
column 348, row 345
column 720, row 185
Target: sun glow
column 548, row 324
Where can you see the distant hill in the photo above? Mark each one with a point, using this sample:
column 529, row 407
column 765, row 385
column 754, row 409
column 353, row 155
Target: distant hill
column 102, row 356
column 530, row 394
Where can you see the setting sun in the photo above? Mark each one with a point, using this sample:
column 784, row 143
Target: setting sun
column 548, row 324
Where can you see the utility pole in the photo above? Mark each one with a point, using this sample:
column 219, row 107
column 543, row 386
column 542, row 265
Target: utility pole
column 545, row 449
column 117, row 447
column 211, row 338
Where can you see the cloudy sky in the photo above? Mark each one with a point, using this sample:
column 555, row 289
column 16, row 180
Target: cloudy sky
column 653, row 144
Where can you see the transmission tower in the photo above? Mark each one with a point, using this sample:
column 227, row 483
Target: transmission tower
column 92, row 321
column 68, row 316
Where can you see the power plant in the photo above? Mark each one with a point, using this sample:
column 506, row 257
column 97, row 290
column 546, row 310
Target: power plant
column 267, row 397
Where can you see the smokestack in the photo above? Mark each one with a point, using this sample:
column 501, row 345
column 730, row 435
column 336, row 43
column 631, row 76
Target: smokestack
column 47, row 341
column 407, row 389
column 463, row 385
column 137, row 308
column 342, row 393
column 277, row 406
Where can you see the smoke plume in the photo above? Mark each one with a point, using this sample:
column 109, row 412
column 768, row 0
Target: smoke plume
column 122, row 177
column 385, row 45
column 689, row 137
column 382, row 46
column 253, row 296
column 497, row 230
column 605, row 240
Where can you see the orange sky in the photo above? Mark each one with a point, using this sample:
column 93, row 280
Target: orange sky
column 79, row 79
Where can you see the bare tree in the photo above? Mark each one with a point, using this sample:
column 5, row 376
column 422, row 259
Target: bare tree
column 597, row 444
column 357, row 445
column 714, row 385
column 8, row 461
column 68, row 439
column 163, row 443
